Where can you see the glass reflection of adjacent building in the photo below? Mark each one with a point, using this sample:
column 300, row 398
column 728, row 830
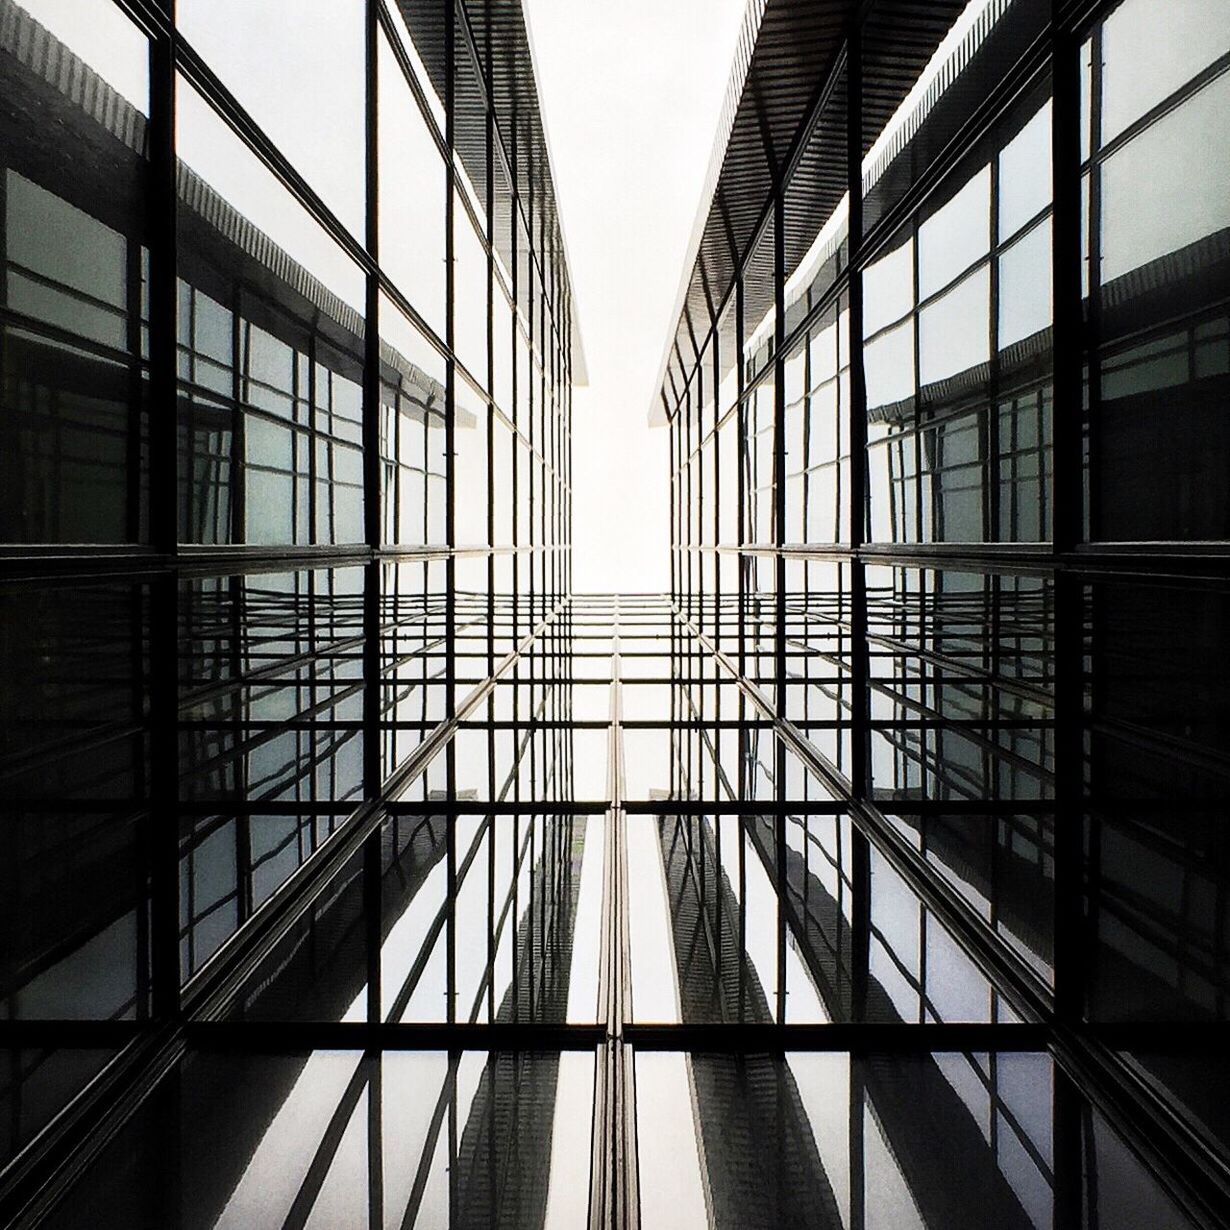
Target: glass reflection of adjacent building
column 284, row 482
column 356, row 872
column 946, row 530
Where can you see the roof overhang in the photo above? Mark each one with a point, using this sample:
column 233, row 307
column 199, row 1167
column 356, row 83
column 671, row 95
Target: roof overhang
column 494, row 54
column 788, row 71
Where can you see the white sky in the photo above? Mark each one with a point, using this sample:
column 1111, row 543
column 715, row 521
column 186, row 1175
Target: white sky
column 630, row 91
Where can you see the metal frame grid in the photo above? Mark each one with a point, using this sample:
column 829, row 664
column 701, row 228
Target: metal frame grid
column 276, row 714
column 613, row 868
column 957, row 715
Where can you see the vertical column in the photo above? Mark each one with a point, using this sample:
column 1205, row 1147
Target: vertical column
column 685, row 478
column 704, row 501
column 491, row 301
column 718, row 622
column 489, row 137
column 717, row 484
column 857, row 426
column 779, row 577
column 510, row 612
column 525, row 422
column 741, row 528
column 1067, row 1133
column 1068, row 515
column 372, row 523
column 1068, row 518
column 163, row 820
column 164, row 500
column 450, row 470
column 988, row 437
column 675, row 513
column 373, row 1063
column 518, row 289
column 858, row 1164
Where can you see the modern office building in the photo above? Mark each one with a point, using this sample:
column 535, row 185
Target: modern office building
column 948, row 460
column 356, row 872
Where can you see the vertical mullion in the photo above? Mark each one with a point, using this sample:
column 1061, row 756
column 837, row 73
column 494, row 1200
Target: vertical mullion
column 165, row 971
column 375, row 1140
column 915, row 442
column 489, row 563
column 717, row 488
column 779, row 577
column 690, row 489
column 677, row 505
column 450, row 487
column 136, row 391
column 697, row 398
column 1093, row 336
column 1068, row 517
column 237, row 522
column 372, row 519
column 989, row 436
column 741, row 530
column 163, row 817
column 860, row 850
column 514, row 155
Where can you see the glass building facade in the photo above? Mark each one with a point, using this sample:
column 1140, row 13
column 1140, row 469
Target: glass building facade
column 948, row 466
column 356, row 872
column 288, row 349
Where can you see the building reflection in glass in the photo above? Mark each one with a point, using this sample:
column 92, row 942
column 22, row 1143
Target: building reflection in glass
column 355, row 871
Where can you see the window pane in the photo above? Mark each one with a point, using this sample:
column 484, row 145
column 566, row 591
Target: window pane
column 888, row 288
column 1149, row 50
column 955, row 236
column 1025, row 174
column 1143, row 216
column 953, row 332
column 1025, row 286
column 218, row 164
column 270, row 337
column 412, row 187
column 267, row 56
column 889, row 363
column 412, row 435
column 74, row 728
column 74, row 274
column 470, row 311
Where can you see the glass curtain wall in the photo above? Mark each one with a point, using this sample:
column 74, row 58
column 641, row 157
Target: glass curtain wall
column 949, row 550
column 357, row 873
column 658, row 1021
column 287, row 349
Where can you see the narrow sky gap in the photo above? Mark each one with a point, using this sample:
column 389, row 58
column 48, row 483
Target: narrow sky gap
column 631, row 94
column 357, row 872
